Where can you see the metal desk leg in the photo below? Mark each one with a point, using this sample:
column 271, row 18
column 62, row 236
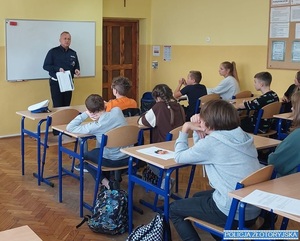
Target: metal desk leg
column 22, row 146
column 60, row 167
column 130, row 195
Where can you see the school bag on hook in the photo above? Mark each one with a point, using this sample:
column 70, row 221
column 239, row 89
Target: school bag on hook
column 110, row 214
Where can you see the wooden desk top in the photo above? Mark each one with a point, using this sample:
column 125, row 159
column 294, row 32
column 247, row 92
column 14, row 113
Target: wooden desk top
column 286, row 186
column 40, row 116
column 285, row 116
column 23, row 233
column 259, row 141
column 262, row 142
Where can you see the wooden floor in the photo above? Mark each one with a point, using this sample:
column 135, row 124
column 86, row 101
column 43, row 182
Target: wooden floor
column 23, row 202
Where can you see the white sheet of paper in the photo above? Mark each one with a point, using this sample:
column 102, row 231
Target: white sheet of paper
column 151, row 151
column 65, row 81
column 273, row 201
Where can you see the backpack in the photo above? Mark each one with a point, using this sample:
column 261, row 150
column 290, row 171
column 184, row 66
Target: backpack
column 110, row 214
column 153, row 231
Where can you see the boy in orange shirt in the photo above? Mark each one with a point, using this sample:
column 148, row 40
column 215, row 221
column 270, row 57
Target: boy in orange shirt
column 120, row 87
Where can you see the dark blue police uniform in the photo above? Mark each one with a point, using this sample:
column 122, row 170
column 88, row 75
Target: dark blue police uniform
column 57, row 58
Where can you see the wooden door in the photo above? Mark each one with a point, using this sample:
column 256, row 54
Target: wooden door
column 120, row 51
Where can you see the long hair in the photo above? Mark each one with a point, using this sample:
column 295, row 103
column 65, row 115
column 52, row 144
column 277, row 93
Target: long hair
column 165, row 93
column 232, row 69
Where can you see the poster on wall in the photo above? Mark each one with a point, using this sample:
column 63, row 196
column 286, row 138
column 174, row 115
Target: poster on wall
column 278, row 50
column 167, row 53
column 296, row 51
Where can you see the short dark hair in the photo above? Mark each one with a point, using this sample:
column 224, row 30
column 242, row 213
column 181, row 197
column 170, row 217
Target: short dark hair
column 265, row 77
column 94, row 103
column 219, row 115
column 121, row 84
column 196, row 75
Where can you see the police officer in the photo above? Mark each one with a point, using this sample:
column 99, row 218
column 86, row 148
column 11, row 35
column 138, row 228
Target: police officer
column 60, row 59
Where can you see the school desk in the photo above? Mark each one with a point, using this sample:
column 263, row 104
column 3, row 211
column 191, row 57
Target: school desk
column 80, row 156
column 287, row 186
column 169, row 165
column 41, row 118
column 23, row 233
column 284, row 116
column 237, row 102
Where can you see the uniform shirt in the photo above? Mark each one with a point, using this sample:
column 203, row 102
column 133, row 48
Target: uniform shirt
column 193, row 92
column 59, row 57
column 123, row 103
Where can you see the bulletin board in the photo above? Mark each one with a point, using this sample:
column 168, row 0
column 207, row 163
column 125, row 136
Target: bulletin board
column 284, row 35
column 27, row 43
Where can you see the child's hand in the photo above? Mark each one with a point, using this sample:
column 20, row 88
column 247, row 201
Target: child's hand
column 195, row 118
column 94, row 116
column 182, row 81
column 201, row 134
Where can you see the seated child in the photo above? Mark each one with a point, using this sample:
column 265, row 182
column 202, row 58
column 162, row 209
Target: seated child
column 120, row 87
column 193, row 89
column 262, row 82
column 102, row 122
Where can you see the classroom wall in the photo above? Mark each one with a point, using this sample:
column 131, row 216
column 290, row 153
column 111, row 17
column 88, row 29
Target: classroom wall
column 238, row 31
column 19, row 95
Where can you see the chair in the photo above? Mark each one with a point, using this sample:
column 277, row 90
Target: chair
column 112, row 140
column 266, row 113
column 261, row 175
column 243, row 94
column 205, row 98
column 61, row 117
column 240, row 95
column 131, row 112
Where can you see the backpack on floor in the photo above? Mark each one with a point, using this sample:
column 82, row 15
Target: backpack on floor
column 156, row 230
column 110, row 214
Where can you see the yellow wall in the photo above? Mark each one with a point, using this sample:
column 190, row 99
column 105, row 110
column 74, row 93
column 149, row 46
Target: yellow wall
column 18, row 96
column 238, row 31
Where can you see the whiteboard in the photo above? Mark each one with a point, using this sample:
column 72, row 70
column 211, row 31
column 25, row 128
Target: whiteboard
column 28, row 42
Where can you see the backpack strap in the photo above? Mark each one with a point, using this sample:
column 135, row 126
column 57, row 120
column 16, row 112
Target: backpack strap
column 85, row 219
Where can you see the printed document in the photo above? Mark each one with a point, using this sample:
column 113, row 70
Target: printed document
column 65, row 81
column 273, row 201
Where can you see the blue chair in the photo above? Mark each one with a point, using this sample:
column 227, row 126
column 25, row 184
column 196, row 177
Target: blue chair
column 261, row 175
column 131, row 112
column 203, row 99
column 112, row 140
column 61, row 117
column 266, row 113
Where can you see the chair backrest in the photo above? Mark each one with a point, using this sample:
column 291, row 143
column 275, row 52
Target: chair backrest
column 261, row 175
column 205, row 98
column 131, row 112
column 173, row 134
column 121, row 136
column 243, row 94
column 63, row 116
column 267, row 112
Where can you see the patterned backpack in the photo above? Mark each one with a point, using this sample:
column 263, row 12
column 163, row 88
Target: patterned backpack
column 110, row 214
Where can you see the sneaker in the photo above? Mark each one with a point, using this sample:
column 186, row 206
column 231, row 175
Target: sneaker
column 77, row 168
column 162, row 186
